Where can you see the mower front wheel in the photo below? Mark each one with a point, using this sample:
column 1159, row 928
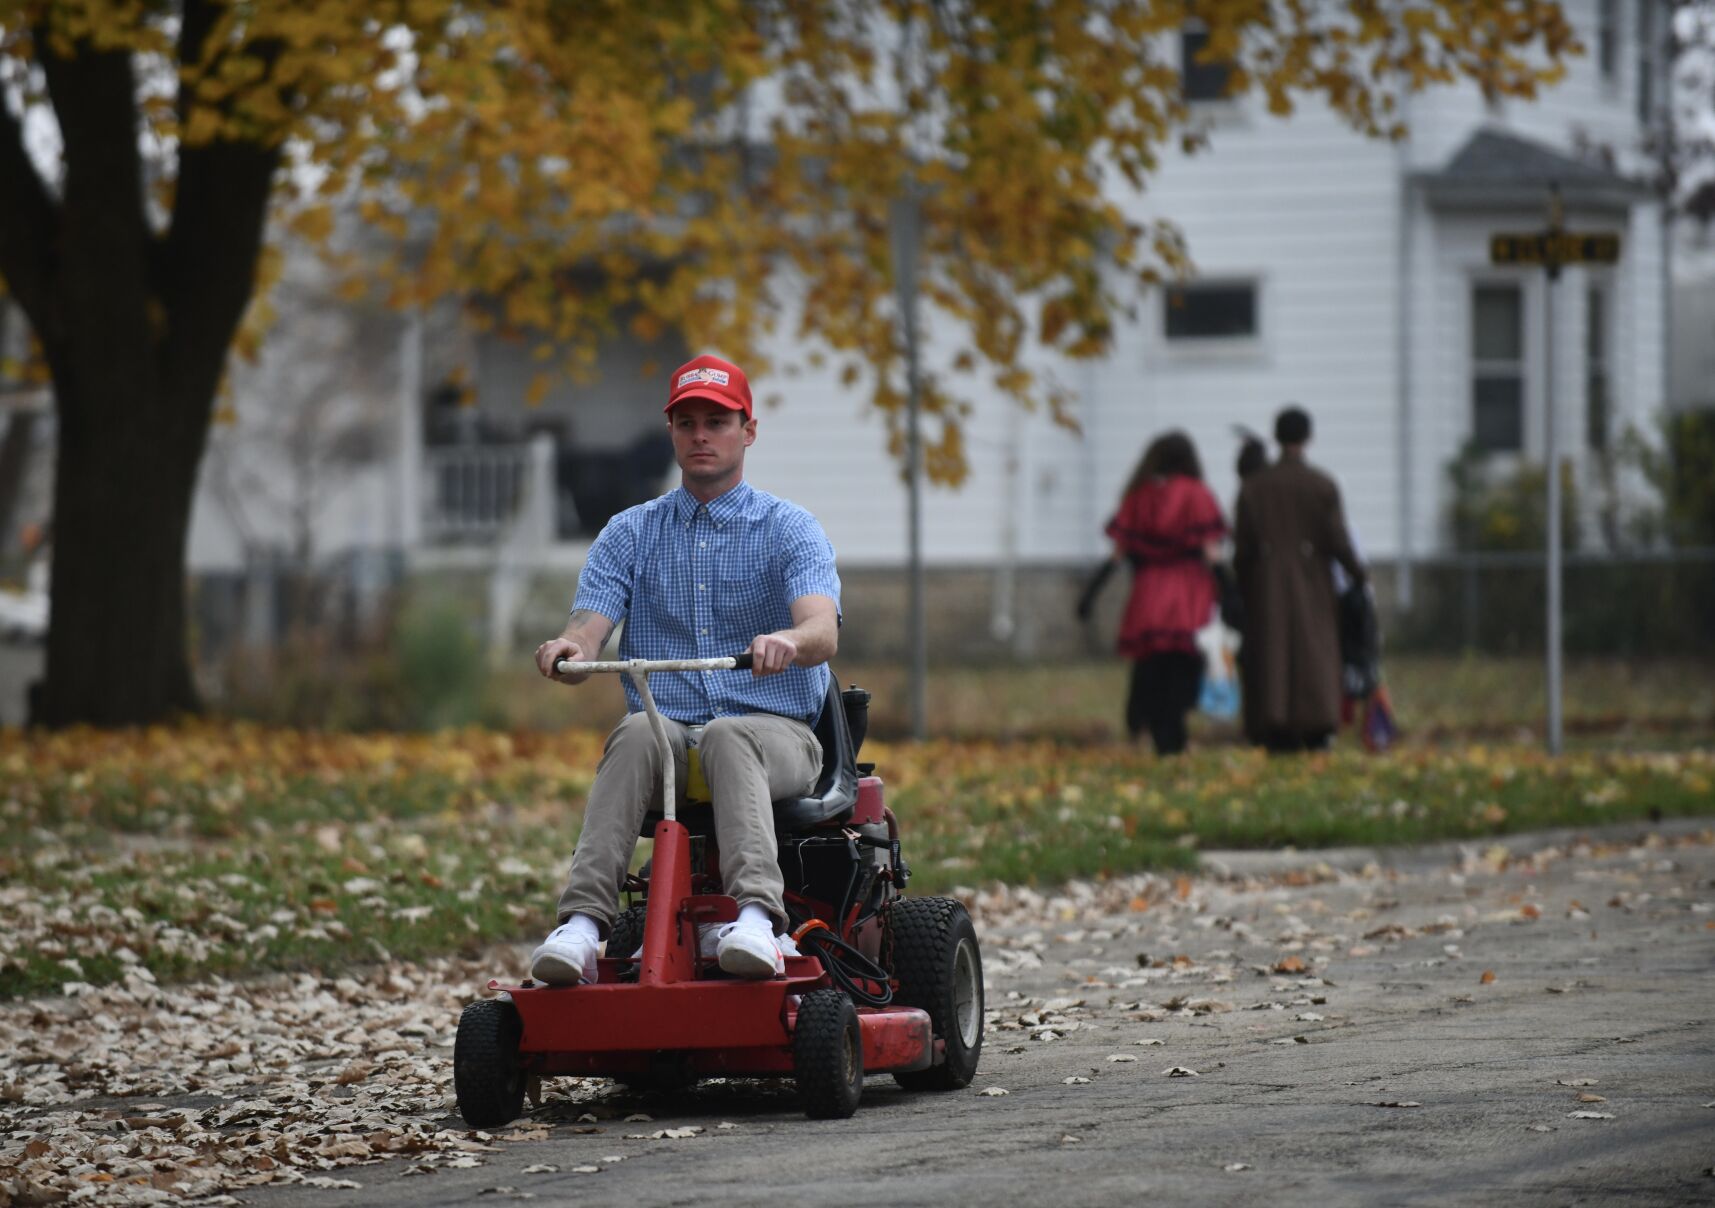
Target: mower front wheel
column 940, row 969
column 827, row 1055
column 487, row 1078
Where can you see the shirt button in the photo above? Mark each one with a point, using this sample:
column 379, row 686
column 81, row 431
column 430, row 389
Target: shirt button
column 704, row 631
column 702, row 545
column 702, row 587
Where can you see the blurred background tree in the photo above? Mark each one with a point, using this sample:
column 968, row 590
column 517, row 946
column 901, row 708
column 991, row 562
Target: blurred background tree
column 1505, row 507
column 671, row 165
column 1680, row 466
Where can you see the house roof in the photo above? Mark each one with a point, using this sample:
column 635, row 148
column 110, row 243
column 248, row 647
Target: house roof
column 1500, row 169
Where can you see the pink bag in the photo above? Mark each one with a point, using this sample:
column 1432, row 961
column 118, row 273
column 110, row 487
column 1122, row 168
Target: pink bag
column 1378, row 730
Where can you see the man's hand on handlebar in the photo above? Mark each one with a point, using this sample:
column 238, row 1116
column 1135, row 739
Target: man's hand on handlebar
column 771, row 653
column 555, row 649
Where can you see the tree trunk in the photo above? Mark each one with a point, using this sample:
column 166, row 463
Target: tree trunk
column 136, row 329
column 125, row 477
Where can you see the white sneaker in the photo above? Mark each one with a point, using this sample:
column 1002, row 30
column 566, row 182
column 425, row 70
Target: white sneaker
column 749, row 952
column 709, row 939
column 565, row 958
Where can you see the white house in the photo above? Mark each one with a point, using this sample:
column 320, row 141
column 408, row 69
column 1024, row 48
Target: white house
column 1348, row 275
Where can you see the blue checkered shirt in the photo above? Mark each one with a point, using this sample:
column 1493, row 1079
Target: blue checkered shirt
column 693, row 580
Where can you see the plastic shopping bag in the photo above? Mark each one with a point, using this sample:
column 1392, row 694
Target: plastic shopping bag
column 1219, row 697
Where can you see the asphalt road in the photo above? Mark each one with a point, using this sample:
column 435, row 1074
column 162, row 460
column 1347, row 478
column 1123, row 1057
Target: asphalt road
column 1455, row 1008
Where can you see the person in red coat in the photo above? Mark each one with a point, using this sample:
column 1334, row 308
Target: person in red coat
column 1169, row 528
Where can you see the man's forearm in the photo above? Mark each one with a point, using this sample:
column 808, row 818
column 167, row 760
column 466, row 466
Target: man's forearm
column 817, row 639
column 590, row 630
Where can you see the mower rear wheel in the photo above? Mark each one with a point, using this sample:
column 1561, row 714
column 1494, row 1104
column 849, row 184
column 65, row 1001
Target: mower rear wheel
column 625, row 937
column 487, row 1078
column 827, row 1055
column 940, row 969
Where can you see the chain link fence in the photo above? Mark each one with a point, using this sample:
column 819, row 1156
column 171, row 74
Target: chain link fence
column 1650, row 603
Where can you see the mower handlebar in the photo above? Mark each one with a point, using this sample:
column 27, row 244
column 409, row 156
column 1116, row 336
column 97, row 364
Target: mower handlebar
column 731, row 662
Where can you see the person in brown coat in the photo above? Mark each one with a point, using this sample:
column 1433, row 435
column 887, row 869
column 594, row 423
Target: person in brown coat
column 1289, row 526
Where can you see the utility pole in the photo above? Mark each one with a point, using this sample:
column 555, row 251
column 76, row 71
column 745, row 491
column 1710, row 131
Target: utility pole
column 1553, row 248
column 907, row 220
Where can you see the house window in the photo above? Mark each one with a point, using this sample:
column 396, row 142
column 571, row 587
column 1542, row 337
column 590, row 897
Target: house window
column 1215, row 310
column 1497, row 368
column 1597, row 397
column 1200, row 79
column 1608, row 39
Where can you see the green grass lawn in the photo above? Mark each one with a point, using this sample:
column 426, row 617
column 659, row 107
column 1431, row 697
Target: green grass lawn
column 231, row 849
column 1608, row 703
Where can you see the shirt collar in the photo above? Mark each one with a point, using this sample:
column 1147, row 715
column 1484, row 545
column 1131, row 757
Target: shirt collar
column 722, row 508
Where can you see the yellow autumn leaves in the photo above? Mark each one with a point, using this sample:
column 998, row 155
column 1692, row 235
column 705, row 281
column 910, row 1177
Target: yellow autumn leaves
column 724, row 167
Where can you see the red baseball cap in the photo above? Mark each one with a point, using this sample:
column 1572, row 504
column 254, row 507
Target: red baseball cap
column 711, row 378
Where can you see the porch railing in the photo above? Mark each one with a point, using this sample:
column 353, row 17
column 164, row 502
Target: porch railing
column 474, row 491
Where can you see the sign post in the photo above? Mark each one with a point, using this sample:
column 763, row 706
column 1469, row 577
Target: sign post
column 1552, row 248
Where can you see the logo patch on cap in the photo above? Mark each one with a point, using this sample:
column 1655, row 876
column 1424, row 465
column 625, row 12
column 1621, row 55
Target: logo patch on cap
column 717, row 376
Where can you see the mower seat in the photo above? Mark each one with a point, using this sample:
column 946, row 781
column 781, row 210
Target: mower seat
column 830, row 800
column 836, row 789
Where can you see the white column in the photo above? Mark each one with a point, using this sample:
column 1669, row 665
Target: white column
column 408, row 449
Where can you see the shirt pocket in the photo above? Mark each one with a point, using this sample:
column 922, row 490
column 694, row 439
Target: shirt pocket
column 743, row 606
column 658, row 591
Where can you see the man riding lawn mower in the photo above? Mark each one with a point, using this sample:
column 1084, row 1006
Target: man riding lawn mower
column 775, row 937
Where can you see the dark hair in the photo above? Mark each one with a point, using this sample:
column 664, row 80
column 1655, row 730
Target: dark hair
column 1169, row 454
column 1253, row 456
column 1292, row 425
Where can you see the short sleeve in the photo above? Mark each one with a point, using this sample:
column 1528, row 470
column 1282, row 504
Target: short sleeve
column 1167, row 519
column 807, row 558
column 604, row 584
column 1129, row 525
column 1202, row 521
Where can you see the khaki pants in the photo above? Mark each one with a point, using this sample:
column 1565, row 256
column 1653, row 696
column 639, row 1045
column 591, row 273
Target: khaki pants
column 749, row 763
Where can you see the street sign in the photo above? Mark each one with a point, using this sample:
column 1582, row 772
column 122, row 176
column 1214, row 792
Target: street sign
column 1551, row 249
column 1554, row 247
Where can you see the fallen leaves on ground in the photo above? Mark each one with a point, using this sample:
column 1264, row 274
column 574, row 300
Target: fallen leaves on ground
column 125, row 1082
column 185, row 1090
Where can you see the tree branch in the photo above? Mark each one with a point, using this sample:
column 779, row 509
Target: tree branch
column 220, row 208
column 29, row 229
